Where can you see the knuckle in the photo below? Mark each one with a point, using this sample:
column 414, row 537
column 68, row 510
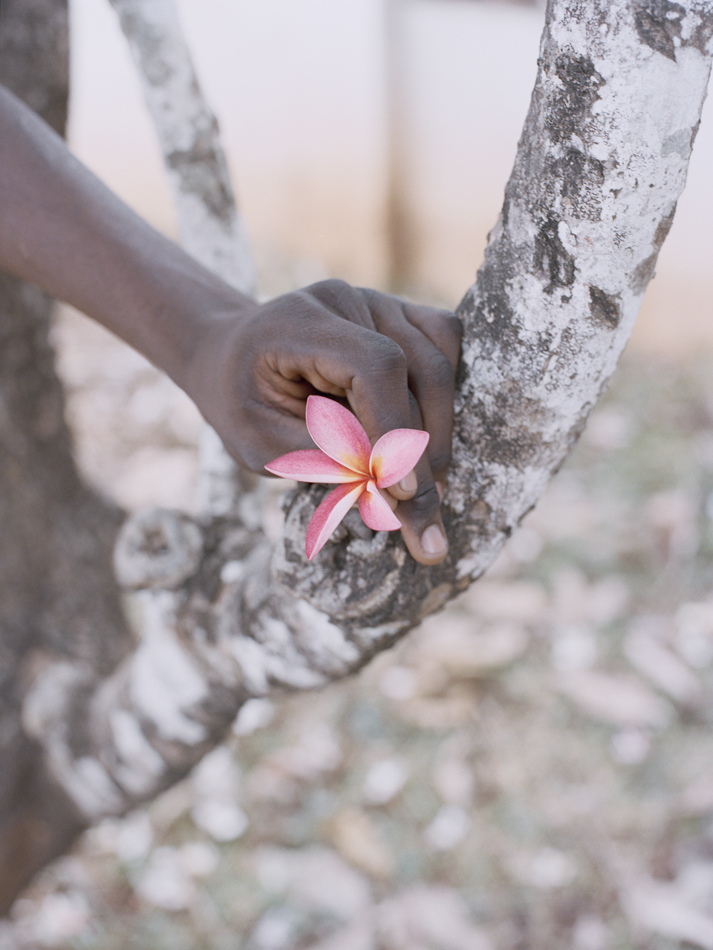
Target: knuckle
column 450, row 328
column 378, row 301
column 332, row 291
column 331, row 284
column 453, row 324
column 440, row 372
column 386, row 356
column 440, row 460
column 369, row 295
column 425, row 500
column 299, row 307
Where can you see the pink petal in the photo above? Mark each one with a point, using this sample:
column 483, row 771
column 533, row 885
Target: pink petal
column 338, row 432
column 395, row 454
column 311, row 465
column 329, row 514
column 375, row 512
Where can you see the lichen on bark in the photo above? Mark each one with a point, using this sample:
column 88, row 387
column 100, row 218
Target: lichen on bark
column 599, row 168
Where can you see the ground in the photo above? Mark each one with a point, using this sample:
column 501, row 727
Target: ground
column 530, row 770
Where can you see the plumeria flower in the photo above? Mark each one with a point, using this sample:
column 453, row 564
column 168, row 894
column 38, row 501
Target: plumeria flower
column 345, row 456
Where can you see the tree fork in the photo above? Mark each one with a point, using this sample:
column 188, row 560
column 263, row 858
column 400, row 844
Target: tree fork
column 600, row 166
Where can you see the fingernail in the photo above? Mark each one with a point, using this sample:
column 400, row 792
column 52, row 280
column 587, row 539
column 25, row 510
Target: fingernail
column 433, row 540
column 409, row 483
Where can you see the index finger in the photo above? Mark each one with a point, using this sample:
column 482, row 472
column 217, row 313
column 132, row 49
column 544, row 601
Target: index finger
column 430, row 339
column 371, row 369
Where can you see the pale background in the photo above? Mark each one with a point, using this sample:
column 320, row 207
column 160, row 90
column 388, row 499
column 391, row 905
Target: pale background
column 298, row 86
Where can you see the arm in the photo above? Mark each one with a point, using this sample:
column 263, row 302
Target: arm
column 248, row 367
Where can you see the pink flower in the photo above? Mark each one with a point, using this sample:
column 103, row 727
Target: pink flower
column 345, row 456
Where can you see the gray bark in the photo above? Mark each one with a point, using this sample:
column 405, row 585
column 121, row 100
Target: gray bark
column 599, row 169
column 58, row 600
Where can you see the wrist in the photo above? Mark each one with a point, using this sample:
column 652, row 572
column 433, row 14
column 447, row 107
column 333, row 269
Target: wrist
column 207, row 363
column 62, row 229
column 174, row 312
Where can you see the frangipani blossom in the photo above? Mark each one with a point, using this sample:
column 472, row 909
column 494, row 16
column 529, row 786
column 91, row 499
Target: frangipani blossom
column 345, row 456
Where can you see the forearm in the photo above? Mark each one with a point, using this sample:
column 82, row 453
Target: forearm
column 63, row 230
column 250, row 368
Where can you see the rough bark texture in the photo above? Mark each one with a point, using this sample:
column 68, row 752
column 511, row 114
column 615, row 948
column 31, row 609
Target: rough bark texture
column 58, row 600
column 599, row 169
column 211, row 229
column 601, row 164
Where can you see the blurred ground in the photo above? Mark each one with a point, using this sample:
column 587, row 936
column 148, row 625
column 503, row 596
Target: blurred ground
column 532, row 769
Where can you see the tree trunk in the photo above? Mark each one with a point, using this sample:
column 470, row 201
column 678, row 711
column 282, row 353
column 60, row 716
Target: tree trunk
column 58, row 600
column 599, row 169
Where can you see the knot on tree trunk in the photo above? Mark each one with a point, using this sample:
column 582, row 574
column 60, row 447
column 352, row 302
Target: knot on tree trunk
column 157, row 549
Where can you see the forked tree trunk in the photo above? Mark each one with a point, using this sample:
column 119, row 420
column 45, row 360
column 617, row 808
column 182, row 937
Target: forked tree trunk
column 599, row 168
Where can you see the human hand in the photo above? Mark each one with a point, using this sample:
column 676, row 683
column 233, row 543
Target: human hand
column 249, row 367
column 393, row 362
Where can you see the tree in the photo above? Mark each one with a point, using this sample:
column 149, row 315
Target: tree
column 93, row 724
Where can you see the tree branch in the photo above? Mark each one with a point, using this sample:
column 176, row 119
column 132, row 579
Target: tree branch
column 210, row 226
column 600, row 166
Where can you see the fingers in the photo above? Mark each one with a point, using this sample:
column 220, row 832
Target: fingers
column 419, row 497
column 343, row 301
column 442, row 327
column 430, row 340
column 393, row 362
column 420, row 514
column 421, row 524
column 302, row 346
column 406, row 488
column 379, row 392
column 427, row 340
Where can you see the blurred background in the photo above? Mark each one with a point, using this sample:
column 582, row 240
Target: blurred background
column 334, row 112
column 532, row 769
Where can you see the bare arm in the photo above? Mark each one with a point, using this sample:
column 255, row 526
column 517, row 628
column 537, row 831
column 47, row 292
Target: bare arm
column 249, row 367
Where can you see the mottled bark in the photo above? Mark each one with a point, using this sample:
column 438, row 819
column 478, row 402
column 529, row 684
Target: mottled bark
column 227, row 615
column 599, row 169
column 57, row 595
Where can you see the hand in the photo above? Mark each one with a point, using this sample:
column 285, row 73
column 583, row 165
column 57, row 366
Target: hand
column 393, row 362
column 248, row 367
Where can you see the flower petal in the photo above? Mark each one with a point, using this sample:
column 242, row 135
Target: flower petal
column 311, row 465
column 375, row 512
column 338, row 432
column 329, row 514
column 395, row 454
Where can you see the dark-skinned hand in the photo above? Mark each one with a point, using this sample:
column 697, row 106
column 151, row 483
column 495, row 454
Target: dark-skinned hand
column 249, row 367
column 393, row 362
